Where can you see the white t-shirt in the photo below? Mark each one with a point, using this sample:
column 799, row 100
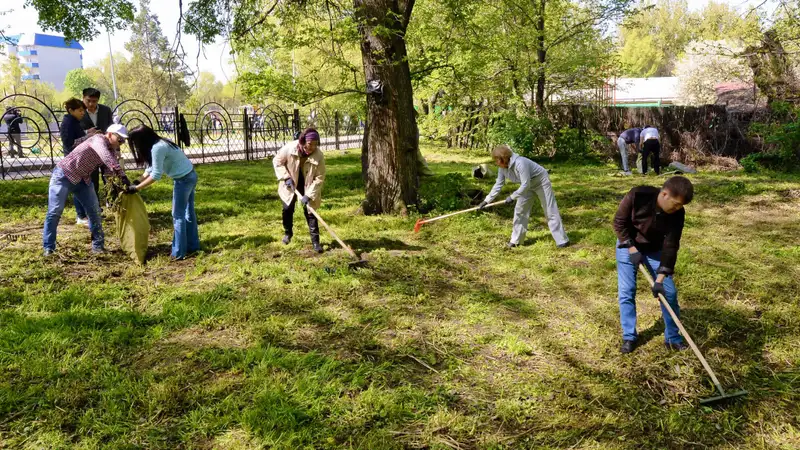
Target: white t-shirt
column 649, row 133
column 93, row 116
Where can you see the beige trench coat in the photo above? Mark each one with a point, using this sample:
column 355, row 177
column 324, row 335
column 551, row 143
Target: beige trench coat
column 287, row 165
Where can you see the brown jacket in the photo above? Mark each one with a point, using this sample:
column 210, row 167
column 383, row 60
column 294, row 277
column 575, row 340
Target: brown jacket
column 641, row 223
column 287, row 165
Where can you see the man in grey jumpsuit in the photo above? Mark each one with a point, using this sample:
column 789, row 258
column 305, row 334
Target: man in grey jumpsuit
column 533, row 179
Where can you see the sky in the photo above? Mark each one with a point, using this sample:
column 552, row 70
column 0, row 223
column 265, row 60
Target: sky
column 214, row 59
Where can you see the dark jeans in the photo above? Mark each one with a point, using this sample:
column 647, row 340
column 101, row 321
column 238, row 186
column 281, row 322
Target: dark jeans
column 288, row 215
column 651, row 147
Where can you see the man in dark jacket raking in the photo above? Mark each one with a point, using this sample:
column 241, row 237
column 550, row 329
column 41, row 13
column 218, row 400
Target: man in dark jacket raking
column 649, row 224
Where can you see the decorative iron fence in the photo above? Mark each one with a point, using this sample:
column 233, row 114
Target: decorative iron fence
column 30, row 141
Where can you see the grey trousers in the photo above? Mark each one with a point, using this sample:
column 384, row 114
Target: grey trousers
column 623, row 152
column 522, row 211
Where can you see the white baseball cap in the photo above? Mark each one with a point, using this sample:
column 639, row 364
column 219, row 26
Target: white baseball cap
column 118, row 129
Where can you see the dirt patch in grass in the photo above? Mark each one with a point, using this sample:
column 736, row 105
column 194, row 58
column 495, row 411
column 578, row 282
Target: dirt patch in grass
column 197, row 337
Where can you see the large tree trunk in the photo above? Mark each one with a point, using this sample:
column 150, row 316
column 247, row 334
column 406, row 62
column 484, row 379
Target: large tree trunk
column 391, row 140
column 541, row 55
column 772, row 71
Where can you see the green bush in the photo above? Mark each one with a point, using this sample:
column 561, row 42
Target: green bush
column 530, row 136
column 536, row 136
column 781, row 136
column 448, row 192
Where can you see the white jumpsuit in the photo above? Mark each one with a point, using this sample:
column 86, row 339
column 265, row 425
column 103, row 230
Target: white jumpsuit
column 533, row 179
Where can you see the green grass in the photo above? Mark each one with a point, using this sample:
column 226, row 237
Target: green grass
column 446, row 341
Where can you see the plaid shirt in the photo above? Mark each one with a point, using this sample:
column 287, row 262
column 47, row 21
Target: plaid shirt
column 88, row 156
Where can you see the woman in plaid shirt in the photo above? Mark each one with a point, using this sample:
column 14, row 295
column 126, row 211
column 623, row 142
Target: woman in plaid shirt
column 73, row 174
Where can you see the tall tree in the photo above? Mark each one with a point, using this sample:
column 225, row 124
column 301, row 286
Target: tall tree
column 377, row 28
column 655, row 39
column 159, row 68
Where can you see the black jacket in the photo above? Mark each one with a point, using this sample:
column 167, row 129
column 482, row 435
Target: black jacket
column 641, row 223
column 12, row 118
column 104, row 119
column 71, row 133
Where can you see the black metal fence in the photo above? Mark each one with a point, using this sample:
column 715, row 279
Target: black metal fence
column 30, row 142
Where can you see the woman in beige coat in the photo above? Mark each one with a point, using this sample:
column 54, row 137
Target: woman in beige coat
column 302, row 154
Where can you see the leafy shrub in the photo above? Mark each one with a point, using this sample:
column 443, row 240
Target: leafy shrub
column 781, row 136
column 448, row 192
column 528, row 135
column 536, row 136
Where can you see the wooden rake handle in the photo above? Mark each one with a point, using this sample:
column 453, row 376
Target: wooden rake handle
column 327, row 227
column 685, row 334
column 461, row 212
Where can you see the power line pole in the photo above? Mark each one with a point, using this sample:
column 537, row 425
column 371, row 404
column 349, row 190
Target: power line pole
column 111, row 56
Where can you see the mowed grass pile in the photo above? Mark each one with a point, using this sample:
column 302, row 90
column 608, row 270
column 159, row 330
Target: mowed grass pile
column 447, row 340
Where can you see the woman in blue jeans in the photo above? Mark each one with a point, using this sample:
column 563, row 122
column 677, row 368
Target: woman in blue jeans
column 163, row 157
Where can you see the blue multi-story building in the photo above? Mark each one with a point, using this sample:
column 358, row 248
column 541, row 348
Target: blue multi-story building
column 45, row 57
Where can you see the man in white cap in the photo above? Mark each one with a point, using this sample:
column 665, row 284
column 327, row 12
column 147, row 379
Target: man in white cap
column 73, row 174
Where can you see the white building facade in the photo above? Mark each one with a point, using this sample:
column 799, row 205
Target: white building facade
column 45, row 57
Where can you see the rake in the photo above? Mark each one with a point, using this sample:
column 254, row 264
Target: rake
column 420, row 222
column 723, row 396
column 359, row 262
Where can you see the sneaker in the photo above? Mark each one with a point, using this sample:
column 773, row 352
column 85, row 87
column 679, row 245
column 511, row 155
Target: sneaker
column 48, row 252
column 564, row 245
column 627, row 346
column 317, row 247
column 627, row 173
column 84, row 221
column 676, row 346
column 286, row 239
column 511, row 245
column 98, row 251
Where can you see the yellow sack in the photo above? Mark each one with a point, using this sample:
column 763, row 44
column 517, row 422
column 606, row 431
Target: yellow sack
column 133, row 226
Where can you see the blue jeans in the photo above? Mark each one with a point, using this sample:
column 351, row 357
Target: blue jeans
column 60, row 187
column 185, row 238
column 626, row 278
column 79, row 210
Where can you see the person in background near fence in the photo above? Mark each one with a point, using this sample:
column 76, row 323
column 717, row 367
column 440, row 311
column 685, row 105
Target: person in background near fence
column 648, row 225
column 162, row 157
column 628, row 137
column 533, row 179
column 72, row 135
column 73, row 174
column 13, row 120
column 99, row 117
column 300, row 165
column 650, row 144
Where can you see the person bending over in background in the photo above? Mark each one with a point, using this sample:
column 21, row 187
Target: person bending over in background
column 628, row 137
column 650, row 144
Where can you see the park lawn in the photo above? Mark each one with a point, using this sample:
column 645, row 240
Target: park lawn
column 446, row 341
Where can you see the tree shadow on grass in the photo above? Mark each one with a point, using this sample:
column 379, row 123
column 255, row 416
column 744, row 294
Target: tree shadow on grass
column 368, row 245
column 651, row 390
column 231, row 242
